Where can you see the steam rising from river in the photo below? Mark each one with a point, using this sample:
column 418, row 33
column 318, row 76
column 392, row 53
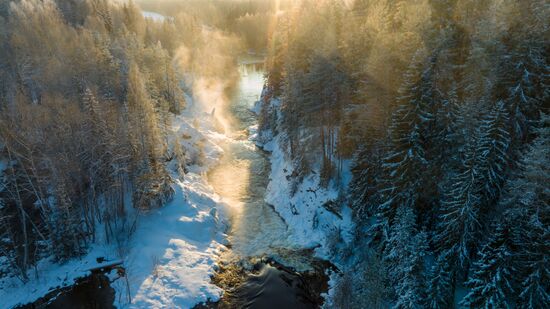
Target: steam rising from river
column 227, row 90
column 213, row 72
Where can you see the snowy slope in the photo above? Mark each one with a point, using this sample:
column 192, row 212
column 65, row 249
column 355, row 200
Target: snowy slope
column 176, row 248
column 173, row 251
column 311, row 224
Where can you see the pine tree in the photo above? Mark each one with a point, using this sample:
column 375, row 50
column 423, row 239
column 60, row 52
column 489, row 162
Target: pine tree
column 145, row 122
column 461, row 207
column 364, row 185
column 440, row 289
column 494, row 144
column 151, row 178
column 291, row 108
column 406, row 157
column 323, row 102
column 447, row 138
column 475, row 183
column 526, row 200
column 524, row 77
column 405, row 251
column 491, row 279
column 535, row 264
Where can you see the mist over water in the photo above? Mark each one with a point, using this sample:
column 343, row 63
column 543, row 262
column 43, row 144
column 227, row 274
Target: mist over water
column 258, row 235
column 242, row 175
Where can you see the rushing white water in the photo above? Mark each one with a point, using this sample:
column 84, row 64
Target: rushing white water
column 242, row 176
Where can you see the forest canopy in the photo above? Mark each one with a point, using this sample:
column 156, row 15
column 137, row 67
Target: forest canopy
column 86, row 89
column 442, row 108
column 430, row 118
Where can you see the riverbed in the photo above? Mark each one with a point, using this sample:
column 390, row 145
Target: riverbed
column 263, row 269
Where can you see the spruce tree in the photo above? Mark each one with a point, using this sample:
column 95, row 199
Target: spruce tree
column 494, row 144
column 524, row 77
column 406, row 159
column 405, row 251
column 526, row 199
column 440, row 288
column 492, row 275
column 459, row 218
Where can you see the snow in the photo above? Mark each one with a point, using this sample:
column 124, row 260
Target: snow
column 154, row 16
column 311, row 225
column 173, row 252
column 52, row 275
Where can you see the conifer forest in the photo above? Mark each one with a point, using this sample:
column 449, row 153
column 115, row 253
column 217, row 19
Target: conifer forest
column 346, row 154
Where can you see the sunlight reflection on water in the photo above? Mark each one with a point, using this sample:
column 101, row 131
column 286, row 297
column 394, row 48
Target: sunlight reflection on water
column 242, row 176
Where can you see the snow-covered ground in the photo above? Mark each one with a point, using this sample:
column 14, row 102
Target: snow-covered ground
column 172, row 253
column 52, row 275
column 311, row 224
column 154, row 16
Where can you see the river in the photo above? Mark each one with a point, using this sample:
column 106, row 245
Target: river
column 263, row 272
column 243, row 174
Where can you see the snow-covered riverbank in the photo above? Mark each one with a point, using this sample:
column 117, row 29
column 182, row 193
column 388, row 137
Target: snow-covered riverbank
column 309, row 213
column 171, row 255
column 174, row 249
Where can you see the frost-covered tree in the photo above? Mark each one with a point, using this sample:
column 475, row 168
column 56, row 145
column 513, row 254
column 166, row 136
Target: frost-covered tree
column 405, row 162
column 535, row 265
column 404, row 253
column 325, row 90
column 492, row 275
column 365, row 286
column 440, row 287
column 461, row 207
column 494, row 145
column 152, row 180
column 526, row 200
column 474, row 184
column 524, row 74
